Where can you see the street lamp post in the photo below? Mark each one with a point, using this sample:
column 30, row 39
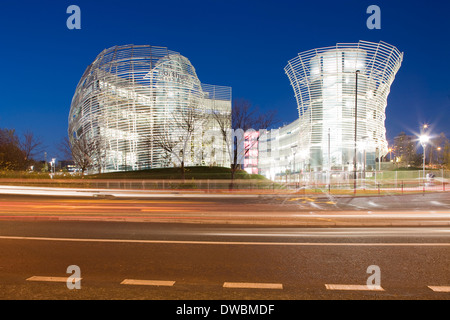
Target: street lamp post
column 423, row 141
column 294, row 151
column 390, row 154
column 356, row 129
column 438, row 149
column 52, row 167
column 329, row 160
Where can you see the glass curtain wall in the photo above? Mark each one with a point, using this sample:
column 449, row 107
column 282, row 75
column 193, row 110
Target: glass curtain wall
column 133, row 99
column 336, row 87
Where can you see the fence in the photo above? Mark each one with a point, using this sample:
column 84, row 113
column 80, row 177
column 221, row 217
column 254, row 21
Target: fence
column 380, row 182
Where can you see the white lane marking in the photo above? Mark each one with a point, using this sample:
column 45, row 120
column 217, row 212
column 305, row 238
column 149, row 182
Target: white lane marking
column 251, row 285
column 351, row 287
column 431, row 244
column 299, row 244
column 373, row 204
column 52, row 279
column 440, row 288
column 148, row 282
column 312, row 204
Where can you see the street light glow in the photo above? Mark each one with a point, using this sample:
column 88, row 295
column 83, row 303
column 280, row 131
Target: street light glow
column 424, row 139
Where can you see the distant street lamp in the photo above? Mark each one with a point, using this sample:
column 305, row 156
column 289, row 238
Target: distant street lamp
column 53, row 165
column 390, row 154
column 438, row 149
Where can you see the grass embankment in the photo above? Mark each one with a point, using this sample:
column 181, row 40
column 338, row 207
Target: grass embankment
column 195, row 178
column 164, row 178
column 218, row 178
column 196, row 173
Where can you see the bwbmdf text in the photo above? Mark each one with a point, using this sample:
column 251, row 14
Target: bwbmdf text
column 227, row 309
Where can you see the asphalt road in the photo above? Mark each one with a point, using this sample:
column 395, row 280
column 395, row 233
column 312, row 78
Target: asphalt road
column 249, row 247
column 156, row 261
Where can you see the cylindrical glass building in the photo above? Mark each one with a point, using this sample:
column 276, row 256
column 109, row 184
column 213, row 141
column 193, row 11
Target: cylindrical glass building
column 133, row 105
column 336, row 87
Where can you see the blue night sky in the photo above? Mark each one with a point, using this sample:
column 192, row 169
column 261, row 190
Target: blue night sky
column 244, row 44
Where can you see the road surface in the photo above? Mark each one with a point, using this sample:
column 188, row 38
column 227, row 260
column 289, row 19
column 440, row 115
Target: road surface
column 269, row 248
column 126, row 260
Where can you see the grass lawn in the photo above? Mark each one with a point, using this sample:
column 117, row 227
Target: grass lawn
column 196, row 173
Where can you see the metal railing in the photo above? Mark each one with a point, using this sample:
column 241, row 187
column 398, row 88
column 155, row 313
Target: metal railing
column 387, row 182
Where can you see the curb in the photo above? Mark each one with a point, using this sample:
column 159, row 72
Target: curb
column 256, row 223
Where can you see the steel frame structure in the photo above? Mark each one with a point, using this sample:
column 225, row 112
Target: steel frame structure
column 132, row 94
column 324, row 81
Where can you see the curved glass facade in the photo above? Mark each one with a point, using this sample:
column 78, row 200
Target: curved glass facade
column 336, row 86
column 132, row 97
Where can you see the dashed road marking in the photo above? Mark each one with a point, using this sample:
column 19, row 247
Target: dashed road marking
column 250, row 285
column 52, row 279
column 158, row 283
column 440, row 288
column 236, row 285
column 351, row 287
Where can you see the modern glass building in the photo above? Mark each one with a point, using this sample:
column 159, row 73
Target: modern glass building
column 139, row 107
column 279, row 153
column 341, row 93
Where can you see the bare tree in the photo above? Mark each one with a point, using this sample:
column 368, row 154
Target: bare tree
column 446, row 154
column 12, row 157
column 167, row 142
column 98, row 151
column 86, row 154
column 147, row 141
column 439, row 148
column 177, row 139
column 30, row 145
column 65, row 149
column 83, row 153
column 244, row 117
